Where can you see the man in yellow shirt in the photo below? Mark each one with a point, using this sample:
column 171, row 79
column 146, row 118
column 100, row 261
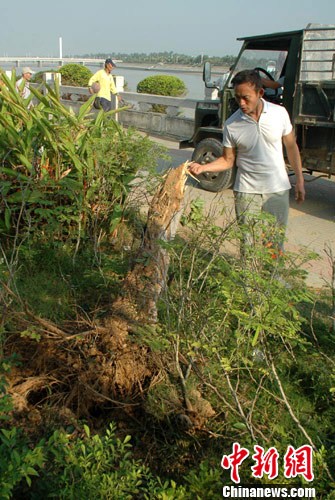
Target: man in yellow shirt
column 107, row 86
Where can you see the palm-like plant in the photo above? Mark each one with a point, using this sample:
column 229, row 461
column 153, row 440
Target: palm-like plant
column 60, row 166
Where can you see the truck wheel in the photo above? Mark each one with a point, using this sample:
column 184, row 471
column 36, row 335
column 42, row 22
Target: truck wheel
column 205, row 152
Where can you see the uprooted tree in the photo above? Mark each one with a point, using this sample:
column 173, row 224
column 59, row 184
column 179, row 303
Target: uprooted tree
column 103, row 363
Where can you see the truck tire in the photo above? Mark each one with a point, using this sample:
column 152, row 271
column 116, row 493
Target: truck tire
column 205, row 152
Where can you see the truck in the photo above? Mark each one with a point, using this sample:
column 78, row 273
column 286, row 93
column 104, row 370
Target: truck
column 305, row 59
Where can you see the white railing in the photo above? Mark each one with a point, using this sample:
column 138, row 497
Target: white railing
column 171, row 124
column 75, row 94
column 39, row 61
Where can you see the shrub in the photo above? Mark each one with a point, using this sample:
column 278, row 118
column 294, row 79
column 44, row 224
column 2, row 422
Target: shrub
column 162, row 85
column 75, row 75
column 66, row 467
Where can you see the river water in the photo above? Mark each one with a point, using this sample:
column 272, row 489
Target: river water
column 192, row 79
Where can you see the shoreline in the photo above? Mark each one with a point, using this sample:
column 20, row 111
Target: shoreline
column 171, row 68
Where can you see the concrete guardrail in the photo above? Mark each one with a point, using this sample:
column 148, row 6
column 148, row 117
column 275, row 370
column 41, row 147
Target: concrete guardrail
column 171, row 124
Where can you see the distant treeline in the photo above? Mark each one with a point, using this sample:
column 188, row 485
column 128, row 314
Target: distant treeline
column 164, row 57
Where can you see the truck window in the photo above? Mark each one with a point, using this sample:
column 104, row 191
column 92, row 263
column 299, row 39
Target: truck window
column 271, row 60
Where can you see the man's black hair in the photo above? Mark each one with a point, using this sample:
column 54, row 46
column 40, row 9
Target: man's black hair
column 248, row 76
column 109, row 60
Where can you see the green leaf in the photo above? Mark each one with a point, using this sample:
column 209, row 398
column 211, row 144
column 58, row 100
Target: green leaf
column 87, row 430
column 259, row 329
column 240, row 426
column 85, row 108
column 13, row 173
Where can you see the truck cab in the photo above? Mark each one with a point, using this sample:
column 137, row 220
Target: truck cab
column 304, row 60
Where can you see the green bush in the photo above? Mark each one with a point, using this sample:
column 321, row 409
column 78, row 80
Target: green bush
column 162, row 85
column 84, row 467
column 75, row 75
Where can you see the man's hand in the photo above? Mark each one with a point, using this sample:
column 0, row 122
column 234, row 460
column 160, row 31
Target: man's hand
column 224, row 162
column 300, row 192
column 295, row 162
column 196, row 168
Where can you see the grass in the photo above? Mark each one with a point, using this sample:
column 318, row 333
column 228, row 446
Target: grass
column 55, row 285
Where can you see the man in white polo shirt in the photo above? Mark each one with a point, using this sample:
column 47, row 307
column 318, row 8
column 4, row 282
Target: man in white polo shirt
column 253, row 138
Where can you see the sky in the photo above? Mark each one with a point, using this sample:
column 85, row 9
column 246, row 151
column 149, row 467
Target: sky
column 190, row 27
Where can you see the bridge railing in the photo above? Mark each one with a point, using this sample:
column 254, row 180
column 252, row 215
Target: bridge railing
column 176, row 122
column 145, row 101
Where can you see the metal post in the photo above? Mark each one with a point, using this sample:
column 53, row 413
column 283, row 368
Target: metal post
column 60, row 48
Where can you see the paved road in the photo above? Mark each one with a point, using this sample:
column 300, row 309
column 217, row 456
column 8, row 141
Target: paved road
column 311, row 225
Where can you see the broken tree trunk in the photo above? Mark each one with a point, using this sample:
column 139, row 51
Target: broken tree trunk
column 143, row 285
